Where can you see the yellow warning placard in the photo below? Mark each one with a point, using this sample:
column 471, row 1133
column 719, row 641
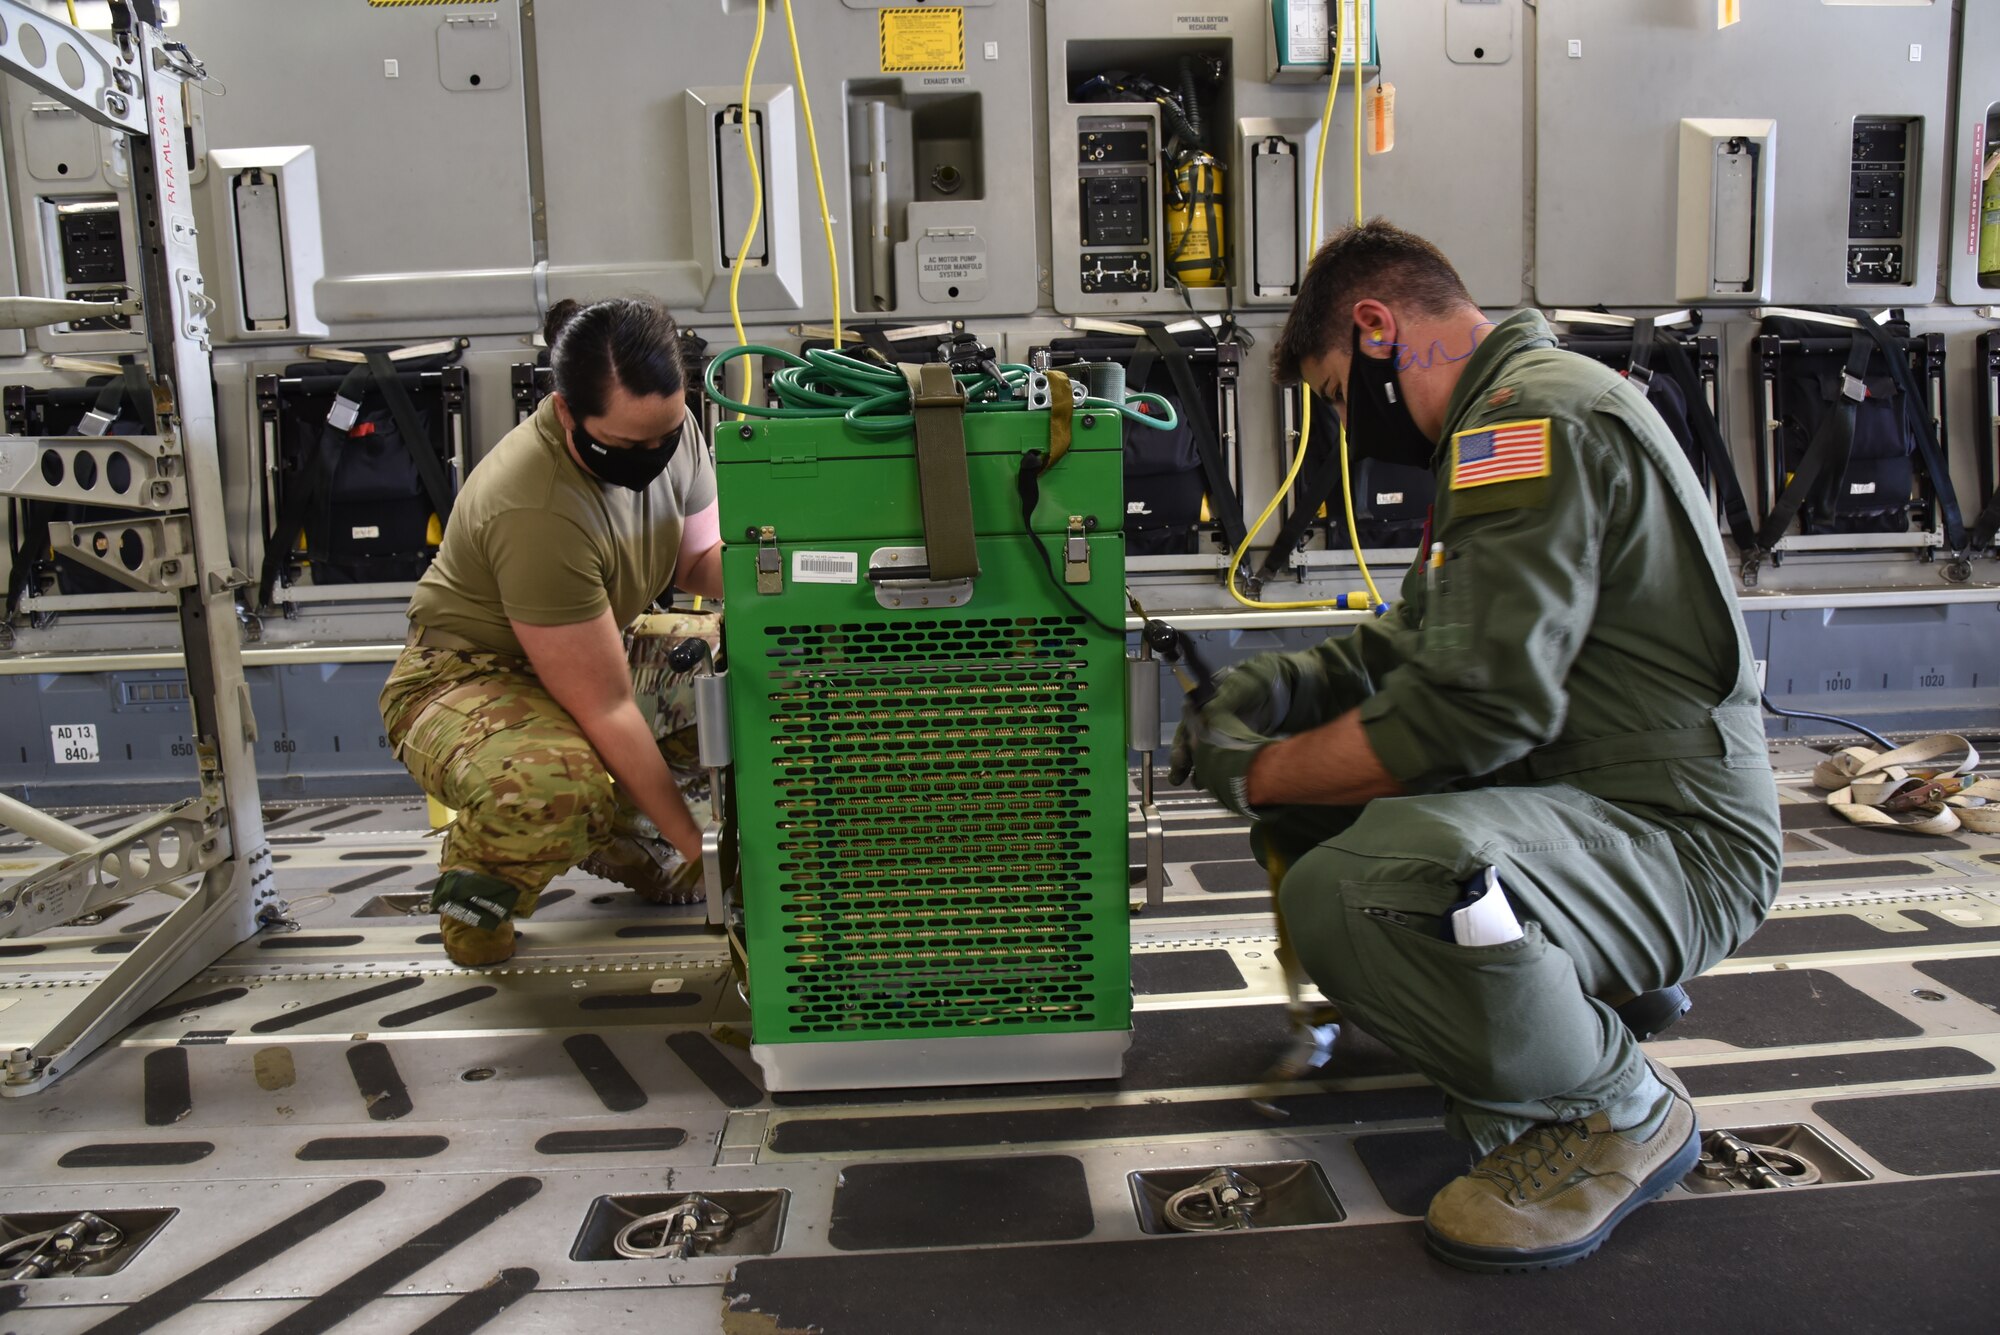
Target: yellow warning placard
column 915, row 40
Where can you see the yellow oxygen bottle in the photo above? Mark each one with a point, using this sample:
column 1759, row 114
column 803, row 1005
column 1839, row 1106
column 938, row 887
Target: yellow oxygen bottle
column 1197, row 255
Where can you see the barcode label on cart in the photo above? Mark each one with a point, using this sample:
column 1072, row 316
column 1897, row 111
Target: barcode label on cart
column 74, row 743
column 826, row 568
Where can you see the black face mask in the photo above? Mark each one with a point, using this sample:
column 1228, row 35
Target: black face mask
column 1379, row 425
column 633, row 468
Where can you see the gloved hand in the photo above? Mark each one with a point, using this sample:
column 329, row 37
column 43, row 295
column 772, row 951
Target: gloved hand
column 1217, row 749
column 1259, row 693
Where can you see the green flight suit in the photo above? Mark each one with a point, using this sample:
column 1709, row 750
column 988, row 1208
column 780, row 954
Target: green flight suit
column 1568, row 699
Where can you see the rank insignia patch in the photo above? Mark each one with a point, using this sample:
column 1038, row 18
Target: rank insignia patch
column 1510, row 452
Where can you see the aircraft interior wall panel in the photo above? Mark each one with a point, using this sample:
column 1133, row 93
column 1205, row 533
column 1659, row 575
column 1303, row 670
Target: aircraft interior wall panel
column 1972, row 242
column 423, row 187
column 1456, row 173
column 636, row 225
column 1615, row 79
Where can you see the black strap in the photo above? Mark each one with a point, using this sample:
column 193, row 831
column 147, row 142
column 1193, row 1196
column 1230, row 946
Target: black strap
column 1223, row 501
column 418, row 442
column 1825, row 461
column 1917, row 413
column 310, row 492
column 1708, row 436
column 1639, row 362
column 1316, row 491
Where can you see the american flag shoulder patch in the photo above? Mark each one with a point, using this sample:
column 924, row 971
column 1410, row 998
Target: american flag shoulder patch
column 1508, row 452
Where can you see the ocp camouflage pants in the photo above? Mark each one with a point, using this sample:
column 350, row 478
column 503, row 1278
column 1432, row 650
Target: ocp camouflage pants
column 482, row 735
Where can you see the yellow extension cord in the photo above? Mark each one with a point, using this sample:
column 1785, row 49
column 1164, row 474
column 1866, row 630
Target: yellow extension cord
column 819, row 177
column 756, row 204
column 1341, row 19
column 757, row 189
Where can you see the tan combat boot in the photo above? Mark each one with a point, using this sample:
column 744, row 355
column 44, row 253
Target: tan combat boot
column 476, row 947
column 1553, row 1195
column 649, row 867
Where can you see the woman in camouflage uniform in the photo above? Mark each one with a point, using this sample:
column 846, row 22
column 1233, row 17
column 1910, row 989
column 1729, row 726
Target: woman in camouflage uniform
column 512, row 702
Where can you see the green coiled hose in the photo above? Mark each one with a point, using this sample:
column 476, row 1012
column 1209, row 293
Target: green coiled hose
column 875, row 400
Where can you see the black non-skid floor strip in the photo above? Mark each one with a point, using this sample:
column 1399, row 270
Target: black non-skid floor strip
column 337, row 1148
column 960, row 1203
column 174, row 1009
column 347, row 818
column 475, row 1309
column 628, row 1140
column 116, row 947
column 1945, row 1131
column 1410, row 1167
column 1157, row 972
column 1231, row 847
column 700, row 1055
column 261, row 1247
column 139, row 1154
column 387, row 855
column 381, row 1084
column 202, row 1038
column 1872, row 843
column 365, row 879
column 1132, row 1121
column 1832, row 1070
column 1908, row 1256
column 320, row 941
column 169, row 1094
column 1230, row 878
column 444, row 1005
column 1820, row 933
column 1853, row 871
column 335, row 1005
column 1977, row 977
column 12, row 1296
column 143, row 925
column 609, row 1080
column 348, row 1297
column 1783, row 1007
column 642, row 930
column 1216, row 907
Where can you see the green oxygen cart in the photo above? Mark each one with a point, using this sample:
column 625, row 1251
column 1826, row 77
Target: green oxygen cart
column 927, row 722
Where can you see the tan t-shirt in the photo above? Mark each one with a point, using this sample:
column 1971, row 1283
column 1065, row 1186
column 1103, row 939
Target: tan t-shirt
column 536, row 539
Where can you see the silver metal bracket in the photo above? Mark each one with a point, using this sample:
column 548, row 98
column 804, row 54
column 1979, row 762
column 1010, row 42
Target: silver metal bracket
column 1040, row 398
column 78, row 69
column 902, row 580
column 1076, row 553
column 124, row 472
column 770, row 562
column 149, row 854
column 156, row 555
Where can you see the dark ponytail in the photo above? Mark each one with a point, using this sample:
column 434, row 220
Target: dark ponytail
column 633, row 339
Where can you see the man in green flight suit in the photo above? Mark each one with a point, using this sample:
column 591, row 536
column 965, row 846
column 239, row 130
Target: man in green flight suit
column 1538, row 787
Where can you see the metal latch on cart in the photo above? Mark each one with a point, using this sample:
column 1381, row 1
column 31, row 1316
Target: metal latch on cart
column 1076, row 553
column 903, row 580
column 770, row 564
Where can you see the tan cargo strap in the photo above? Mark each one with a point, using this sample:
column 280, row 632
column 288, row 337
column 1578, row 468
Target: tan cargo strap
column 943, row 482
column 1062, row 403
column 1919, row 788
